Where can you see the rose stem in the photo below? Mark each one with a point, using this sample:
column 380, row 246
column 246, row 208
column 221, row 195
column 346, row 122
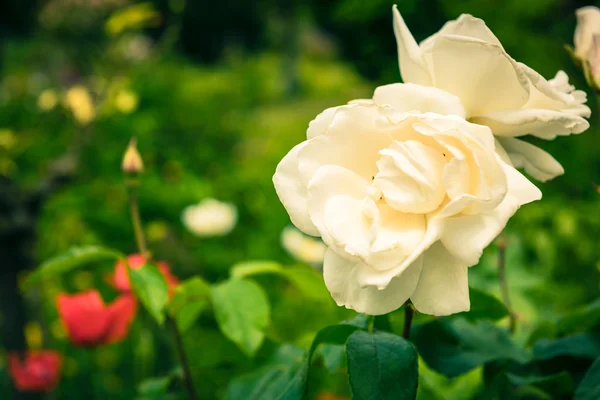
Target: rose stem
column 408, row 317
column 504, row 283
column 132, row 187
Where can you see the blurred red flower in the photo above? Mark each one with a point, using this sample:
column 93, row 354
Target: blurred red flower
column 90, row 322
column 137, row 261
column 38, row 371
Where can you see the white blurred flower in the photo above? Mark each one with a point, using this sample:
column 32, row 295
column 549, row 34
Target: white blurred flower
column 210, row 217
column 79, row 101
column 302, row 247
column 47, row 100
column 588, row 25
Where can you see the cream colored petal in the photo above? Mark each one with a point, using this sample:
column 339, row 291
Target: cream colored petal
column 412, row 65
column 319, row 125
column 410, row 97
column 588, row 24
column 292, row 191
column 341, row 278
column 481, row 74
column 468, row 26
column 536, row 162
column 466, row 236
column 443, row 286
column 348, row 225
column 545, row 124
column 330, row 181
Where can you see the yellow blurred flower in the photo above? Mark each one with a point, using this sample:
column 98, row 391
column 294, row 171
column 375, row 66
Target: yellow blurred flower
column 302, row 247
column 47, row 100
column 126, row 101
column 33, row 335
column 79, row 100
column 7, row 139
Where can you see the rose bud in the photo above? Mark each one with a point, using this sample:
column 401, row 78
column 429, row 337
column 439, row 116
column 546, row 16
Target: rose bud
column 588, row 25
column 132, row 161
column 38, row 371
column 137, row 261
column 90, row 322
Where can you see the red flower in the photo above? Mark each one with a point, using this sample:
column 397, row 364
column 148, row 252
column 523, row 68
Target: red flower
column 137, row 261
column 90, row 322
column 39, row 371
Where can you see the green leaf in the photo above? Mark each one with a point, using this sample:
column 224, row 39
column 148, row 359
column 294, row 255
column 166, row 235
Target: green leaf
column 154, row 388
column 190, row 299
column 453, row 347
column 484, row 306
column 585, row 345
column 271, row 381
column 248, row 268
column 151, row 288
column 242, row 312
column 381, row 366
column 589, row 388
column 307, row 280
column 582, row 318
column 543, row 330
column 555, row 385
column 334, row 334
column 74, row 258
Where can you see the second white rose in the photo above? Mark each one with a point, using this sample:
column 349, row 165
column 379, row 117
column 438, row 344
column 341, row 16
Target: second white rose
column 405, row 200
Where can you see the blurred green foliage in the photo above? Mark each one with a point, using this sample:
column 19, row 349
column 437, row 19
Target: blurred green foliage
column 219, row 130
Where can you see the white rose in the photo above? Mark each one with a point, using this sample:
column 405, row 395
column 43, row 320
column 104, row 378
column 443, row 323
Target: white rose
column 466, row 59
column 210, row 217
column 302, row 247
column 405, row 201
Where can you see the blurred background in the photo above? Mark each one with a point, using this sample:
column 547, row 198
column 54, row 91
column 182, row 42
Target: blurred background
column 216, row 93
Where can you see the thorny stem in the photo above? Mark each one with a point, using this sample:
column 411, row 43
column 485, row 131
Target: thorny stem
column 409, row 313
column 132, row 187
column 504, row 283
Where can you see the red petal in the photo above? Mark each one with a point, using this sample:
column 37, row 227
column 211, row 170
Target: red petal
column 85, row 317
column 121, row 280
column 122, row 312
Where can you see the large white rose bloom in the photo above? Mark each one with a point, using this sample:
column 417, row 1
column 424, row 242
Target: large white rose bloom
column 466, row 59
column 405, row 200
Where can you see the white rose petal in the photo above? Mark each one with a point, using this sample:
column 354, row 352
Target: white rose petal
column 210, row 217
column 404, row 199
column 468, row 61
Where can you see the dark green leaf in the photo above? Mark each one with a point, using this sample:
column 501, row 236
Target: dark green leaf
column 242, row 312
column 190, row 299
column 334, row 334
column 586, row 345
column 484, row 306
column 271, row 381
column 557, row 385
column 453, row 347
column 589, row 388
column 582, row 318
column 151, row 288
column 381, row 366
column 74, row 258
column 544, row 330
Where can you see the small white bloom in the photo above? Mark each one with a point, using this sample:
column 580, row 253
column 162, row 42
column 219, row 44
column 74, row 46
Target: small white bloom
column 467, row 60
column 405, row 198
column 210, row 217
column 302, row 247
column 588, row 25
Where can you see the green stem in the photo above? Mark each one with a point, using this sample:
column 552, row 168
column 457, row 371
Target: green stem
column 409, row 313
column 370, row 323
column 132, row 190
column 504, row 282
column 187, row 373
